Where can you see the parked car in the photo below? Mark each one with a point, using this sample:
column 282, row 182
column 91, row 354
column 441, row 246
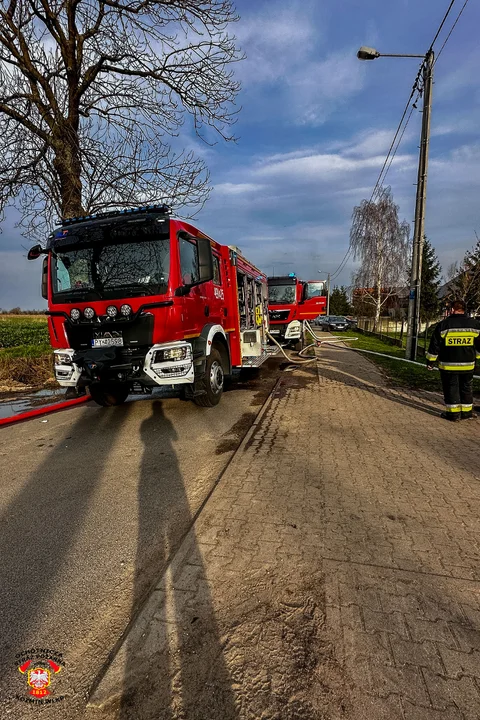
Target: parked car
column 352, row 323
column 335, row 323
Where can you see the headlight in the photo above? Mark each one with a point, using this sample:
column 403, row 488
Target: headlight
column 89, row 313
column 60, row 358
column 174, row 353
column 125, row 310
column 75, row 314
column 112, row 311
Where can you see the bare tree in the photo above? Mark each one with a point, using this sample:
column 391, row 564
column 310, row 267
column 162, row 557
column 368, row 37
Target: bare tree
column 382, row 244
column 93, row 94
column 464, row 279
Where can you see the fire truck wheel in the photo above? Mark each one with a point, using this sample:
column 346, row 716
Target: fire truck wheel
column 109, row 393
column 213, row 382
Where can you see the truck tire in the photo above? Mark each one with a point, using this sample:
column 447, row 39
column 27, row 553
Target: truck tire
column 109, row 394
column 213, row 381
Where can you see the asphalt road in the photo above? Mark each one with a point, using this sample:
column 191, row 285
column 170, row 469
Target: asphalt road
column 93, row 503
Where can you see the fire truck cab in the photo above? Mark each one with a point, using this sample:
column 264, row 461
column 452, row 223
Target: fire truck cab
column 284, row 296
column 137, row 299
column 314, row 299
column 290, row 302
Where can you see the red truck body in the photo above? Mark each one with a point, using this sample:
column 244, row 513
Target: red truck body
column 137, row 299
column 290, row 302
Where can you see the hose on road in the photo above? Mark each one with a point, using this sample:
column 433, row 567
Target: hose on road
column 385, row 355
column 45, row 410
column 290, row 359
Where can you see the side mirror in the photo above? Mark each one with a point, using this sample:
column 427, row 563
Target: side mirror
column 205, row 260
column 182, row 290
column 35, row 252
column 45, row 278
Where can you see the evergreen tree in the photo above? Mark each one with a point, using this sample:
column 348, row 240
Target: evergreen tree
column 466, row 285
column 431, row 271
column 339, row 303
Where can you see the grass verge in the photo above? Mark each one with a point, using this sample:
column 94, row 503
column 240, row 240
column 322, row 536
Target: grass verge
column 16, row 330
column 399, row 373
column 26, row 364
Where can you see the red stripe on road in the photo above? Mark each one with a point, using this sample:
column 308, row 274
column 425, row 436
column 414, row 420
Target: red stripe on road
column 29, row 414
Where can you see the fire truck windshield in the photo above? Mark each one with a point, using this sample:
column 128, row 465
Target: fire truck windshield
column 94, row 270
column 278, row 294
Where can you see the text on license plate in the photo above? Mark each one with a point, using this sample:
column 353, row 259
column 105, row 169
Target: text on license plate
column 108, row 342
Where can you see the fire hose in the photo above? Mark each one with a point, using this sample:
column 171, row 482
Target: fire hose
column 45, row 410
column 318, row 343
column 368, row 352
column 290, row 359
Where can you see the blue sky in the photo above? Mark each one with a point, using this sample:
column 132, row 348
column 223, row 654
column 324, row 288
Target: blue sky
column 314, row 129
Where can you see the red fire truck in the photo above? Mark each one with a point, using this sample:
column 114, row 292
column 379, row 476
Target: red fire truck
column 137, row 299
column 290, row 301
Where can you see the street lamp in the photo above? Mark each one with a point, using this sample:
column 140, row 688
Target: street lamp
column 328, row 290
column 367, row 53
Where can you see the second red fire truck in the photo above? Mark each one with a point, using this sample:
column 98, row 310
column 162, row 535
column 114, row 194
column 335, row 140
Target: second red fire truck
column 137, row 299
column 290, row 302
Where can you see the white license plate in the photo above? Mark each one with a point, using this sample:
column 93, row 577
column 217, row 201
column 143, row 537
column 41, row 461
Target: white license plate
column 108, row 342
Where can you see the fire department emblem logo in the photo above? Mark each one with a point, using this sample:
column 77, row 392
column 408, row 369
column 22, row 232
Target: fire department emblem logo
column 38, row 678
column 39, row 666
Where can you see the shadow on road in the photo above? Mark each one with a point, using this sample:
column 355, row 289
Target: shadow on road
column 40, row 527
column 176, row 668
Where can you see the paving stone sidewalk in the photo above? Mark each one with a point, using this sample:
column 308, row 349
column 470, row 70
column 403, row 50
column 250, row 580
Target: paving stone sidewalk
column 334, row 572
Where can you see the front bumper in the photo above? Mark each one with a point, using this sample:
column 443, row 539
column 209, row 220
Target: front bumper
column 287, row 331
column 67, row 373
column 294, row 330
column 162, row 364
column 170, row 372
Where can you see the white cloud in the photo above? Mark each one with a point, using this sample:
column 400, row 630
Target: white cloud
column 318, row 88
column 274, row 38
column 285, row 71
column 322, row 166
column 449, row 84
column 243, row 188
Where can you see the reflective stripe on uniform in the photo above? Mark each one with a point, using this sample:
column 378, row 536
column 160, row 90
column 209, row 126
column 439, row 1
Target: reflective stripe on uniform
column 429, row 356
column 456, row 367
column 467, row 408
column 463, row 331
column 453, row 408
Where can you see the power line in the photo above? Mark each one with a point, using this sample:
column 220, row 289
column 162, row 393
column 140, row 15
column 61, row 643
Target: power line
column 384, row 171
column 401, row 137
column 381, row 175
column 441, row 25
column 451, row 30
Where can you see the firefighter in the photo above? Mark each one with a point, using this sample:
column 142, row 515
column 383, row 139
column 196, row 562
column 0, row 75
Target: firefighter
column 455, row 344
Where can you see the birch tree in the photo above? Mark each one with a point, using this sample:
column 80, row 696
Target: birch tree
column 381, row 243
column 94, row 93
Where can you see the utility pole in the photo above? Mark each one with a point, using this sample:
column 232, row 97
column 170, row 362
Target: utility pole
column 413, row 322
column 328, row 293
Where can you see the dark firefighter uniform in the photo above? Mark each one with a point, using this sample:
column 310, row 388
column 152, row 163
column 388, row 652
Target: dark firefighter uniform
column 455, row 344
